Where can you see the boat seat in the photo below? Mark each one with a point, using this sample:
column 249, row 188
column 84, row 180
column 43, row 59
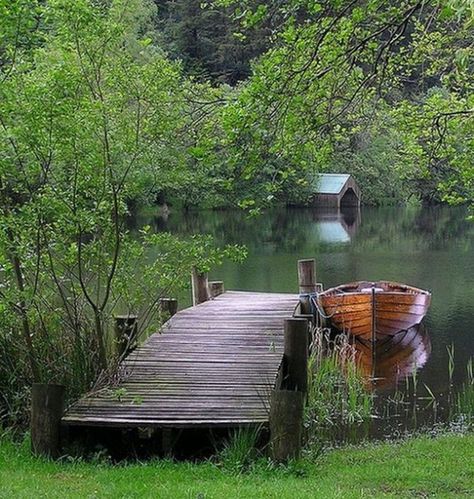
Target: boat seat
column 369, row 290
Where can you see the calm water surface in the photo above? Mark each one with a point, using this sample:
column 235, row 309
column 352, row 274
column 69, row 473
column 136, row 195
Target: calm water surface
column 431, row 248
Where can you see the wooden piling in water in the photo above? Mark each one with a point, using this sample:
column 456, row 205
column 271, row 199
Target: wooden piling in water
column 47, row 406
column 126, row 332
column 306, row 283
column 200, row 287
column 216, row 288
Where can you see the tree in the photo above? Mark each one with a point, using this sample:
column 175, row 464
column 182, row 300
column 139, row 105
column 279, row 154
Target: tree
column 437, row 119
column 333, row 67
column 206, row 38
column 83, row 114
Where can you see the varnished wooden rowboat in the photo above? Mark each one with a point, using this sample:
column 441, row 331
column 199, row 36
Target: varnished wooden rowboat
column 372, row 310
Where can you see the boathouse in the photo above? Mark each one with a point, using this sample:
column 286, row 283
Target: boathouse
column 335, row 190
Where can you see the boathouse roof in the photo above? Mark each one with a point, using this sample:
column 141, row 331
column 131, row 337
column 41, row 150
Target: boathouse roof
column 330, row 183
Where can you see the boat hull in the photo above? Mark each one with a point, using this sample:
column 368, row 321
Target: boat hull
column 374, row 311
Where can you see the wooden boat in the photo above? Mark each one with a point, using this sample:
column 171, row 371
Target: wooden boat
column 372, row 310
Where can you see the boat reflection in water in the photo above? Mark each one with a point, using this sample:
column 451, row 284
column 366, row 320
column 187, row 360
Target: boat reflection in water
column 386, row 362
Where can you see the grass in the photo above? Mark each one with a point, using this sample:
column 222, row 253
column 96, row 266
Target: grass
column 420, row 467
column 240, row 452
column 464, row 405
column 337, row 394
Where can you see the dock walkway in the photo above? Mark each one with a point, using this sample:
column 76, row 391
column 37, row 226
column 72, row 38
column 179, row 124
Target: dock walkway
column 212, row 365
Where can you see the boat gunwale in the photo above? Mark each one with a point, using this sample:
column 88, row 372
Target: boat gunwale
column 339, row 290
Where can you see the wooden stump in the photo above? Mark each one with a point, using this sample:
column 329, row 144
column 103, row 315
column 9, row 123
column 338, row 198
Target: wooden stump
column 47, row 405
column 168, row 306
column 286, row 424
column 306, row 283
column 296, row 354
column 216, row 288
column 126, row 332
column 200, row 287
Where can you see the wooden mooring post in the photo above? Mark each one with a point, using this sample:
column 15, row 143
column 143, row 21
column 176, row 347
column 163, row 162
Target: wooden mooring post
column 287, row 401
column 295, row 357
column 200, row 287
column 168, row 306
column 47, row 406
column 216, row 288
column 306, row 283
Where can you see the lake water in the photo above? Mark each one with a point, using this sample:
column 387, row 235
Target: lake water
column 431, row 248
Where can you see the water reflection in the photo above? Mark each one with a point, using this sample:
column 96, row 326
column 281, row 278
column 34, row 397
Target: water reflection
column 386, row 362
column 335, row 226
column 289, row 229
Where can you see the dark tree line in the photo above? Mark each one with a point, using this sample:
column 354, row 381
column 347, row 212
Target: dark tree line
column 207, row 39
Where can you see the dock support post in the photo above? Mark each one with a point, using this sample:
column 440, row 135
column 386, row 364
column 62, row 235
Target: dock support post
column 168, row 306
column 167, row 442
column 200, row 287
column 286, row 424
column 296, row 354
column 47, row 405
column 216, row 288
column 306, row 282
column 126, row 332
column 311, row 331
column 287, row 404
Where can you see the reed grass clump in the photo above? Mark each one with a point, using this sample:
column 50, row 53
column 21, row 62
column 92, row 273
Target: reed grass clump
column 337, row 393
column 240, row 450
column 464, row 402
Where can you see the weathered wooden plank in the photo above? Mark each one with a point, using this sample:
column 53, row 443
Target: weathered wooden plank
column 213, row 364
column 166, row 423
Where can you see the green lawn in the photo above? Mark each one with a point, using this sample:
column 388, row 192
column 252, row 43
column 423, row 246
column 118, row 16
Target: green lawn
column 421, row 467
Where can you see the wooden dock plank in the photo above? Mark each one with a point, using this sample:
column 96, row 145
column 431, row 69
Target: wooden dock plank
column 214, row 364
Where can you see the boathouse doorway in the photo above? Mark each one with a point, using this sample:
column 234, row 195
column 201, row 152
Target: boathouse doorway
column 349, row 199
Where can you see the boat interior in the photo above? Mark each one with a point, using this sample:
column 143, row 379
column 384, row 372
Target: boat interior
column 378, row 286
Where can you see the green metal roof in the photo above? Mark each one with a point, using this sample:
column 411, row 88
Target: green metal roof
column 330, row 183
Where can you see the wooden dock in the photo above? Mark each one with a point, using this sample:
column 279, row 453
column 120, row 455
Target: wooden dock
column 212, row 365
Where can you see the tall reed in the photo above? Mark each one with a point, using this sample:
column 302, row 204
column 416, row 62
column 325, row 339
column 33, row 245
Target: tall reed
column 240, row 450
column 450, row 349
column 336, row 390
column 464, row 403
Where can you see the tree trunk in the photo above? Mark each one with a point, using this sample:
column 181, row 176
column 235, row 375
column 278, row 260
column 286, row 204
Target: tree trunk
column 25, row 323
column 99, row 329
